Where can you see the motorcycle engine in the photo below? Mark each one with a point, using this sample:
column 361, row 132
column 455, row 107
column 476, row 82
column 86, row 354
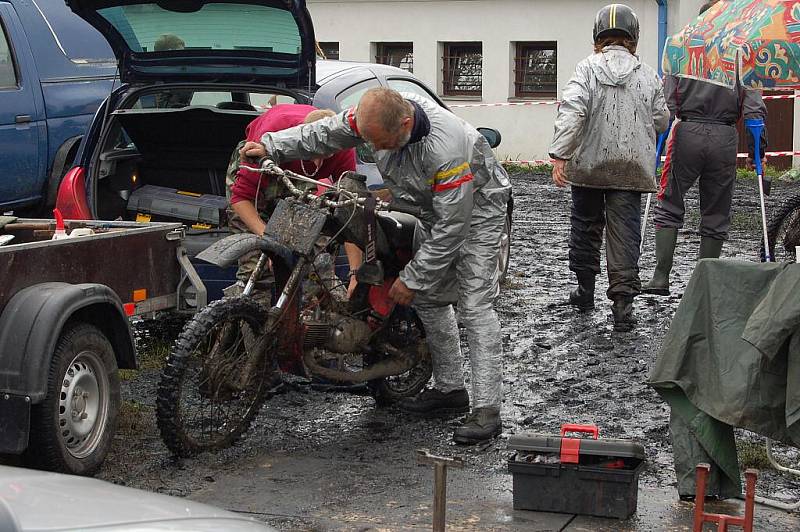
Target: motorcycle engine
column 335, row 332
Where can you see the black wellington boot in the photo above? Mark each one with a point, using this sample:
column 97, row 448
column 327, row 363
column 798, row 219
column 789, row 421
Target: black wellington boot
column 622, row 310
column 583, row 296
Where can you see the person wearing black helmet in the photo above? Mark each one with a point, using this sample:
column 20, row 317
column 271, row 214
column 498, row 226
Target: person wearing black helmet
column 604, row 146
column 702, row 147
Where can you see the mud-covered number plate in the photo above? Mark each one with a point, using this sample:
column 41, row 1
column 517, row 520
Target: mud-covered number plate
column 296, row 225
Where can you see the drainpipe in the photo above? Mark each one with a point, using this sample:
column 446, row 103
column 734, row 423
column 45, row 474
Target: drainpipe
column 662, row 30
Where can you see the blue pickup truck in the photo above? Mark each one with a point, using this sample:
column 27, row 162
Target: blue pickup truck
column 55, row 70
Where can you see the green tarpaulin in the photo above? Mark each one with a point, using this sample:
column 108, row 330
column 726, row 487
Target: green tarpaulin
column 730, row 359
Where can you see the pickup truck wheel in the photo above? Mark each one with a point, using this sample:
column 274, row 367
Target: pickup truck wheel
column 72, row 429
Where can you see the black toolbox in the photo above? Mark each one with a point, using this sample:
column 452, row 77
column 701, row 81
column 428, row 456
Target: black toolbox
column 575, row 475
column 204, row 210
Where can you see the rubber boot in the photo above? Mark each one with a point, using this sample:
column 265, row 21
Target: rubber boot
column 710, row 248
column 481, row 425
column 583, row 296
column 622, row 310
column 666, row 238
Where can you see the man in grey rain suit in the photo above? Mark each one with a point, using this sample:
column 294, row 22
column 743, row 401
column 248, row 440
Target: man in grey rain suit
column 431, row 158
column 605, row 147
column 703, row 146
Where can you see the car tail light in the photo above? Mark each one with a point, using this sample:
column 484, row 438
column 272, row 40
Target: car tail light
column 71, row 199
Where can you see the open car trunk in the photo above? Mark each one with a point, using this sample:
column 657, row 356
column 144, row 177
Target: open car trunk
column 169, row 165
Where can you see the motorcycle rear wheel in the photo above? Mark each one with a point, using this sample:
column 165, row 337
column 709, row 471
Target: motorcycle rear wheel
column 389, row 390
column 204, row 402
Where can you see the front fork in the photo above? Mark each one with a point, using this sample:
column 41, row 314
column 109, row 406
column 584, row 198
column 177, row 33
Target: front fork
column 274, row 315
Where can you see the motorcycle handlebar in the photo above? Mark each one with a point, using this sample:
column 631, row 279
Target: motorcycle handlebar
column 268, row 166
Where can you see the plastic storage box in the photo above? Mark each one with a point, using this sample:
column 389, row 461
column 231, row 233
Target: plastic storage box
column 187, row 207
column 575, row 475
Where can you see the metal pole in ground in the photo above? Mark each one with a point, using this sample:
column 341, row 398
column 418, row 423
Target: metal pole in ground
column 440, row 465
column 659, row 148
column 756, row 126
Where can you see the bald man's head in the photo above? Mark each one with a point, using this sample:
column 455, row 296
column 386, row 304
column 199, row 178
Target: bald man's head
column 385, row 119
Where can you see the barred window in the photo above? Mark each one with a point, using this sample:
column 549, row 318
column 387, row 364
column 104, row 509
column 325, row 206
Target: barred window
column 329, row 49
column 462, row 66
column 535, row 73
column 398, row 54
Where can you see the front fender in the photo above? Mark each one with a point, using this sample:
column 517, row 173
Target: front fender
column 225, row 252
column 32, row 322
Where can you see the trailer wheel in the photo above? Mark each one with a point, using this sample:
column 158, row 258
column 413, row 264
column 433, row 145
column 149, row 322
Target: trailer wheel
column 72, row 429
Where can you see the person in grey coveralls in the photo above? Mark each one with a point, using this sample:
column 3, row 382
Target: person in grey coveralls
column 605, row 146
column 431, row 158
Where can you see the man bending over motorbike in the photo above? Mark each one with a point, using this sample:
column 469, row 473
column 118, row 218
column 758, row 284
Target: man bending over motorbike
column 252, row 195
column 431, row 158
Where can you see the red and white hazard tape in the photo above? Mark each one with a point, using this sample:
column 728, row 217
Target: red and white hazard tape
column 506, row 104
column 556, row 102
column 539, row 162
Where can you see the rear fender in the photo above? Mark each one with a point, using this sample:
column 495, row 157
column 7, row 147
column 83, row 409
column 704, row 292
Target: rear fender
column 32, row 322
column 64, row 157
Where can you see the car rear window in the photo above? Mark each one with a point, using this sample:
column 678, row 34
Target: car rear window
column 236, row 101
column 215, row 26
column 79, row 41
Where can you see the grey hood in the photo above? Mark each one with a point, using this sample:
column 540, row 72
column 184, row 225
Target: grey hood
column 610, row 113
column 614, row 66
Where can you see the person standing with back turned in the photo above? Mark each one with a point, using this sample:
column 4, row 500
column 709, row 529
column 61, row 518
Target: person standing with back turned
column 703, row 145
column 605, row 147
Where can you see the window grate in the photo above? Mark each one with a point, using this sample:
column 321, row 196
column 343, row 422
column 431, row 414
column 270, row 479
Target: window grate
column 399, row 55
column 462, row 69
column 535, row 70
column 329, row 49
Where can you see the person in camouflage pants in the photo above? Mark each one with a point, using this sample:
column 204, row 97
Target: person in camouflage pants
column 252, row 197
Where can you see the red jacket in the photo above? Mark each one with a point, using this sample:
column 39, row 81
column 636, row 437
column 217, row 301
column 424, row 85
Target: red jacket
column 277, row 118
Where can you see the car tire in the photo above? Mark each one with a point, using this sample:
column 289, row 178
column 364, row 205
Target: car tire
column 504, row 257
column 73, row 427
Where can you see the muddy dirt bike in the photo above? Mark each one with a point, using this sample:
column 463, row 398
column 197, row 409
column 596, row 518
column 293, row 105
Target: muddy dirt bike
column 783, row 230
column 229, row 358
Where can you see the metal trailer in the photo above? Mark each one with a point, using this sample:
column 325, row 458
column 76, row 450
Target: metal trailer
column 65, row 331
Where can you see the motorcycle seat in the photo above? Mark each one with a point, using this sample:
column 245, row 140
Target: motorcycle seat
column 398, row 228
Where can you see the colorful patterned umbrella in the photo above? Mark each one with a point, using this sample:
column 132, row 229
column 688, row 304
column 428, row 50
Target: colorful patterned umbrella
column 759, row 38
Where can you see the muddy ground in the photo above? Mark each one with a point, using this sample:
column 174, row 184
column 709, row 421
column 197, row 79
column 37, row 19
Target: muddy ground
column 560, row 366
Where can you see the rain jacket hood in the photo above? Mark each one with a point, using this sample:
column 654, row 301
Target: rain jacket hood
column 610, row 113
column 614, row 67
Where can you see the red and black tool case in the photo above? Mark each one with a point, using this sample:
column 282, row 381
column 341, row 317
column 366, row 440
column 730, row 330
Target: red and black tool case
column 587, row 476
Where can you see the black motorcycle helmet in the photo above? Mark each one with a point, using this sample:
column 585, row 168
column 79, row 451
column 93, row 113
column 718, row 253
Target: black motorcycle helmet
column 616, row 18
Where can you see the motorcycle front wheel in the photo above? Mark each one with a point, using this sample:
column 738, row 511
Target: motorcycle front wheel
column 213, row 383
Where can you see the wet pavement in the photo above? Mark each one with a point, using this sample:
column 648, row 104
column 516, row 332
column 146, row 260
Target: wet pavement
column 332, row 461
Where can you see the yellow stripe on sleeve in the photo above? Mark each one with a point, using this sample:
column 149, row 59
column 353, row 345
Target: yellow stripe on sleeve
column 445, row 174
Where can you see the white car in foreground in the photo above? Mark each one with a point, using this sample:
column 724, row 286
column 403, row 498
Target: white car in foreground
column 33, row 500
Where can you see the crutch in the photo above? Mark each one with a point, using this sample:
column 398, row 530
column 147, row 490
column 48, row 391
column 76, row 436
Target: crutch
column 659, row 147
column 756, row 126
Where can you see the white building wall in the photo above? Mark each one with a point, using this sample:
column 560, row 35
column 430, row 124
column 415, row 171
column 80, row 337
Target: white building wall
column 498, row 24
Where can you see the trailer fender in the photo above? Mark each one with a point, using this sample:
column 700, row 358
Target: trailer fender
column 33, row 320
